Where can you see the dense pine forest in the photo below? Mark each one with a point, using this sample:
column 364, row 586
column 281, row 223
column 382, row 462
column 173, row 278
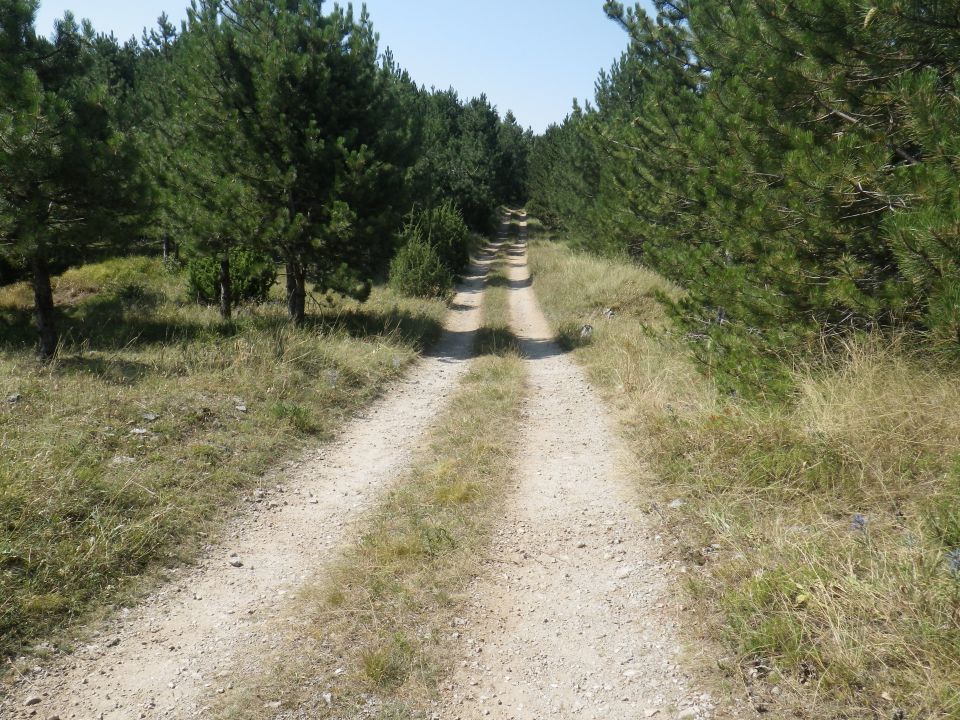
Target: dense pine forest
column 792, row 165
column 259, row 132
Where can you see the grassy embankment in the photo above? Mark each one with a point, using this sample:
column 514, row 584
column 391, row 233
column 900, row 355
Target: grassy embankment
column 822, row 533
column 380, row 621
column 121, row 456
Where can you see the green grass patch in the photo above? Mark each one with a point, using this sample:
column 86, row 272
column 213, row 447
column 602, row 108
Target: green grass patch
column 821, row 533
column 122, row 455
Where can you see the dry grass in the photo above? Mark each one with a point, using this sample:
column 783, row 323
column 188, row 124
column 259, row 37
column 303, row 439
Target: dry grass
column 377, row 641
column 822, row 534
column 124, row 454
column 631, row 356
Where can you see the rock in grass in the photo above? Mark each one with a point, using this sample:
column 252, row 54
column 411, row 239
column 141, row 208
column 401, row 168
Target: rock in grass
column 14, row 399
column 32, row 700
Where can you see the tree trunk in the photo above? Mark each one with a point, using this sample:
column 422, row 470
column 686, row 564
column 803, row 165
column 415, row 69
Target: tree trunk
column 296, row 292
column 43, row 306
column 226, row 290
column 170, row 249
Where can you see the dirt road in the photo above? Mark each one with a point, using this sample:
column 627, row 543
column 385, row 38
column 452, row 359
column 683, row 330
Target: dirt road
column 574, row 618
column 171, row 655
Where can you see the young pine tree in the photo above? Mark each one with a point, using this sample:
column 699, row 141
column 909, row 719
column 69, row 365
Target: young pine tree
column 69, row 178
column 313, row 120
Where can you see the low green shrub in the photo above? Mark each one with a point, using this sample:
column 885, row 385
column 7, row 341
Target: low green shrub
column 444, row 228
column 252, row 274
column 434, row 249
column 417, row 269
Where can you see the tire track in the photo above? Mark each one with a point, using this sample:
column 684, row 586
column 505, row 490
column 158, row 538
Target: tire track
column 223, row 618
column 575, row 617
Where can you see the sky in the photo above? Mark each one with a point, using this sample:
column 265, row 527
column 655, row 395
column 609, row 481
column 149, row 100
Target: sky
column 529, row 56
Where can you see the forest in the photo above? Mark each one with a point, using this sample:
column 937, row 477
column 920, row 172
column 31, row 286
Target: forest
column 792, row 165
column 257, row 133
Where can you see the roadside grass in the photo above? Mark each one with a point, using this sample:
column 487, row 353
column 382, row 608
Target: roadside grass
column 379, row 624
column 122, row 456
column 822, row 535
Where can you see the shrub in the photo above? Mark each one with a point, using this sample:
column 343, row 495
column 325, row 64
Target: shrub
column 444, row 228
column 252, row 274
column 417, row 269
column 343, row 280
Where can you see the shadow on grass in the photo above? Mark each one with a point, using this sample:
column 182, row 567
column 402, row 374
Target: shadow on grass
column 107, row 323
column 134, row 332
column 117, row 322
column 570, row 339
column 363, row 322
column 114, row 370
column 17, row 329
column 502, row 341
column 499, row 341
column 500, row 281
column 113, row 323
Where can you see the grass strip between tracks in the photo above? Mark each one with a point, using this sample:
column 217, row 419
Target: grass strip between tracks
column 380, row 624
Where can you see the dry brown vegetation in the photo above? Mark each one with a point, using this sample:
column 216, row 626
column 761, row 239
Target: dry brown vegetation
column 822, row 533
column 121, row 456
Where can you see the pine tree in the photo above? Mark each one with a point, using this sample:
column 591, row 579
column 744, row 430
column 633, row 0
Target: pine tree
column 466, row 155
column 564, row 176
column 513, row 156
column 792, row 165
column 69, row 178
column 159, row 100
column 201, row 165
column 315, row 121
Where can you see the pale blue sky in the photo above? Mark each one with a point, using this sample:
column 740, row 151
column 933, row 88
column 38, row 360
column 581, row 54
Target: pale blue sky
column 529, row 56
